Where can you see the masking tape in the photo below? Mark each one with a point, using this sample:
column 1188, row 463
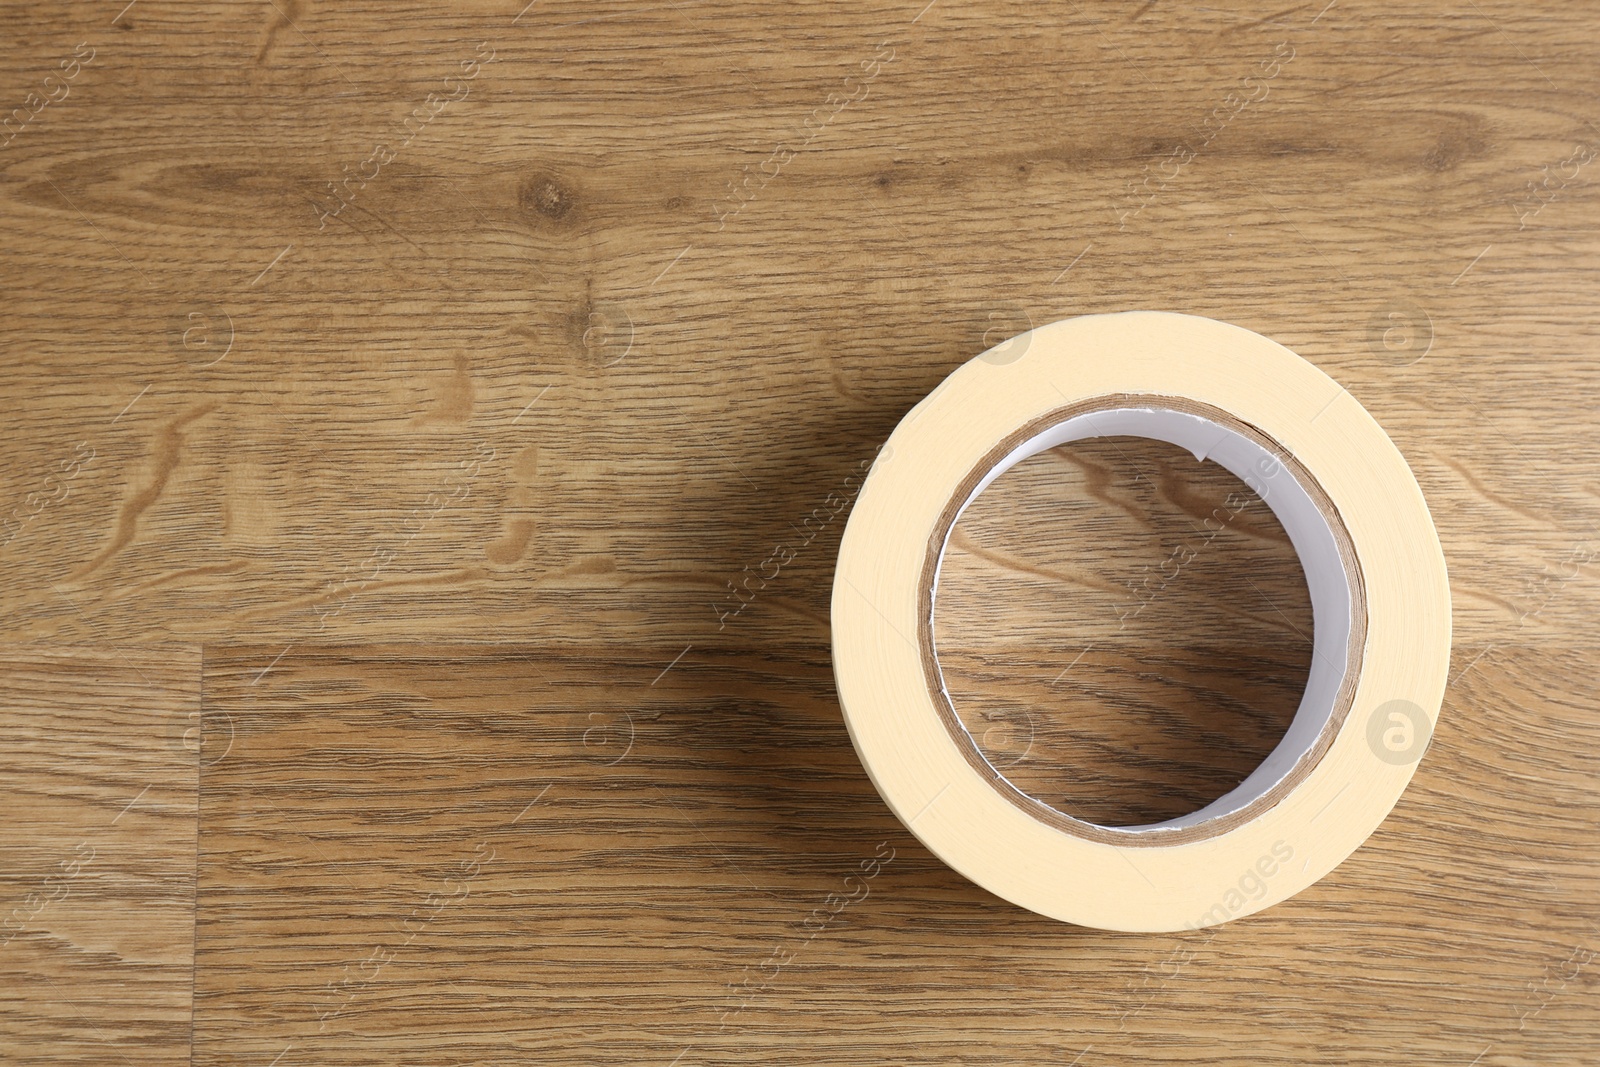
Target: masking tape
column 1355, row 515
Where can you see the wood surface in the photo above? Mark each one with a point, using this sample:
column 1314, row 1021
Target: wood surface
column 395, row 395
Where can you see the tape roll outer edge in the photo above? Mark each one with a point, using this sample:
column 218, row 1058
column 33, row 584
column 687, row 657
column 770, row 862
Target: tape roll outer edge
column 913, row 757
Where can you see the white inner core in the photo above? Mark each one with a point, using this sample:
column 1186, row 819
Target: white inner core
column 1308, row 531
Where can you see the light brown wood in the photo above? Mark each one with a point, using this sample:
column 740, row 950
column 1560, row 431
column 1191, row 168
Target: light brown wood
column 97, row 858
column 432, row 499
column 1096, row 555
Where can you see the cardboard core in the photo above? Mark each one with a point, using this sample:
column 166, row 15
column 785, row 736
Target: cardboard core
column 1327, row 556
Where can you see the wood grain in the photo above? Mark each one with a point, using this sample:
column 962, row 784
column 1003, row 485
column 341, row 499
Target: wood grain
column 414, row 445
column 97, row 860
column 473, row 855
column 1061, row 580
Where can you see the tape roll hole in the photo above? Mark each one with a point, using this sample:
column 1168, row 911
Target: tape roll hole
column 1017, row 743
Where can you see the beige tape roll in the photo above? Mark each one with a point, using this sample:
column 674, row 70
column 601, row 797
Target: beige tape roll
column 1379, row 594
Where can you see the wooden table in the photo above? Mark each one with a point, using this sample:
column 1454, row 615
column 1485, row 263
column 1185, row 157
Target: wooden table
column 414, row 648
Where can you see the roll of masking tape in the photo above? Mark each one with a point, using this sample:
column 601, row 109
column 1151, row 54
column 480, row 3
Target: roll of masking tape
column 1373, row 566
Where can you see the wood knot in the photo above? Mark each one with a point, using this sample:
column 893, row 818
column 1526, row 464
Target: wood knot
column 547, row 197
column 1454, row 147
